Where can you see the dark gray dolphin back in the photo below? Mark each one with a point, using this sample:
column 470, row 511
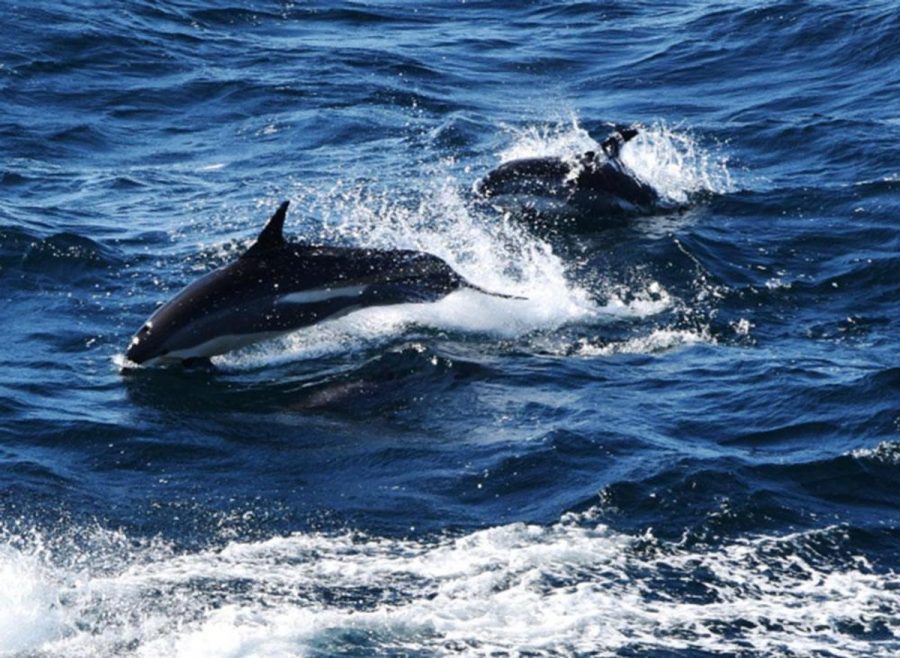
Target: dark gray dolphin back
column 528, row 176
column 596, row 184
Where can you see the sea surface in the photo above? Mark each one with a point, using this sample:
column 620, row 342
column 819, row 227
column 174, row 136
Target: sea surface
column 685, row 443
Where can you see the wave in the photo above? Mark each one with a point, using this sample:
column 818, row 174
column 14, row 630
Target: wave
column 63, row 254
column 571, row 588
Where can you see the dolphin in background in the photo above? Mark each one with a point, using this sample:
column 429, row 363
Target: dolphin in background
column 595, row 183
column 276, row 287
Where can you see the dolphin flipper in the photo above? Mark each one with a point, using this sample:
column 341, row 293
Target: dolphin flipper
column 198, row 363
column 501, row 295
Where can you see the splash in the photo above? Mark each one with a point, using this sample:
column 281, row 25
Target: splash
column 675, row 164
column 29, row 616
column 559, row 140
column 669, row 159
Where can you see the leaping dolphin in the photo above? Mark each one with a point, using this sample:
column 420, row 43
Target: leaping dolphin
column 276, row 287
column 596, row 183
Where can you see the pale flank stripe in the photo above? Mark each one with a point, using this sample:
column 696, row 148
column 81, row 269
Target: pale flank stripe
column 321, row 295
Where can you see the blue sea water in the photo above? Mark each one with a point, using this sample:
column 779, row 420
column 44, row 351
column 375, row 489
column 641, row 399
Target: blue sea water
column 685, row 444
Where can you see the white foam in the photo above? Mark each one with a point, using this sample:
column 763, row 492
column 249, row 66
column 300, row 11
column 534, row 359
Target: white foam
column 886, row 452
column 649, row 300
column 564, row 589
column 658, row 340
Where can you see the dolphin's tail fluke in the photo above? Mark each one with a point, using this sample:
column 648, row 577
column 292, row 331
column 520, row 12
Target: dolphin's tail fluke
column 613, row 144
column 501, row 295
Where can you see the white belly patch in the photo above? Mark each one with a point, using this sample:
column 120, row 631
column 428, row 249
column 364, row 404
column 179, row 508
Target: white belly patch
column 222, row 344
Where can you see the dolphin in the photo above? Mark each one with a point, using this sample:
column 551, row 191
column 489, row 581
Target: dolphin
column 276, row 287
column 595, row 183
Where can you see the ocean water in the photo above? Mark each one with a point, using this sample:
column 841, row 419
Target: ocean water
column 683, row 444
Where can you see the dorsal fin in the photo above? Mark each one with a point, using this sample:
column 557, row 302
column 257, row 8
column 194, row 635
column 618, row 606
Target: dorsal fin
column 612, row 146
column 272, row 236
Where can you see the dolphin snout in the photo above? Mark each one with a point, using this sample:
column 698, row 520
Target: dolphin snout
column 140, row 348
column 482, row 188
column 134, row 353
